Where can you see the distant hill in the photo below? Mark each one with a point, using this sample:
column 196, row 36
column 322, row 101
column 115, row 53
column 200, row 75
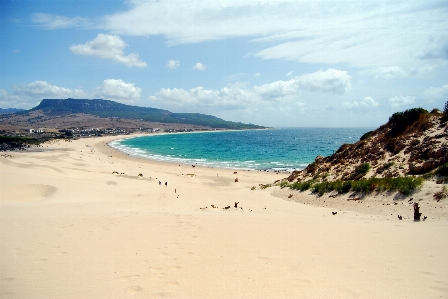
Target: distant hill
column 106, row 108
column 9, row 110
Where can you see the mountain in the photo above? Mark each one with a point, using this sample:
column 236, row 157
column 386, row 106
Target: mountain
column 106, row 108
column 9, row 110
column 413, row 142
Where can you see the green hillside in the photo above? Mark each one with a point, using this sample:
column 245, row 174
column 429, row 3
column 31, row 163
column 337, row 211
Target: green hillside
column 106, row 108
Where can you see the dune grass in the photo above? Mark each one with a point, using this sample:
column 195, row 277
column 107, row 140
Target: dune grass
column 404, row 185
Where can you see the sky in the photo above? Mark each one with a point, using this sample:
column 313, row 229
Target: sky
column 272, row 63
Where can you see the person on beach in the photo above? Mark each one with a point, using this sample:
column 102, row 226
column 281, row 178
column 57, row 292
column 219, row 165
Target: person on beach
column 160, row 183
column 166, row 184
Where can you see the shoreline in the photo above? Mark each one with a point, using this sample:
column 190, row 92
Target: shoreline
column 72, row 228
column 165, row 157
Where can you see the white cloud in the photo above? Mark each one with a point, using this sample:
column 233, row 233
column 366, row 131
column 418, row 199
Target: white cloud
column 367, row 102
column 289, row 74
column 391, row 72
column 172, row 64
column 118, row 90
column 108, row 47
column 436, row 92
column 242, row 96
column 200, row 66
column 257, row 75
column 50, row 21
column 29, row 95
column 331, row 80
column 367, row 34
column 42, row 89
column 401, row 101
column 234, row 96
column 435, row 49
column 277, row 90
column 14, row 101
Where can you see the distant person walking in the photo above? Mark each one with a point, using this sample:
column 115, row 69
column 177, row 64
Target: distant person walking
column 166, row 184
column 160, row 183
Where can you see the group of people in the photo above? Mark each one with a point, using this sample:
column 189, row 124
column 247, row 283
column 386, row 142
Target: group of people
column 166, row 184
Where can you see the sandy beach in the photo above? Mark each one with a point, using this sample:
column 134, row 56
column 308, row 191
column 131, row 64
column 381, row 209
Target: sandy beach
column 77, row 220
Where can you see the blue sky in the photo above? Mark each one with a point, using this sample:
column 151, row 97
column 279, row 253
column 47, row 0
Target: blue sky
column 273, row 63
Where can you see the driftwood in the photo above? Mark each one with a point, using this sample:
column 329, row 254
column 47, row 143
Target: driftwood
column 357, row 198
column 417, row 213
column 236, row 180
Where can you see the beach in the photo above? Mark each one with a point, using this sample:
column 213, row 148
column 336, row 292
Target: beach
column 79, row 219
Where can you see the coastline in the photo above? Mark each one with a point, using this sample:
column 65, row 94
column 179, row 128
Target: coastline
column 72, row 228
column 183, row 162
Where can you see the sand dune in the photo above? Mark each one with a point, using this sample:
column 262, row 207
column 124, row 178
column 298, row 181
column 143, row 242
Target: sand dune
column 26, row 192
column 88, row 232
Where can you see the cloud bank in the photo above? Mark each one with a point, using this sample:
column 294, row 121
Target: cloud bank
column 370, row 35
column 43, row 89
column 242, row 96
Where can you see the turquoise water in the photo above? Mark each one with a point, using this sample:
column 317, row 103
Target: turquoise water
column 283, row 149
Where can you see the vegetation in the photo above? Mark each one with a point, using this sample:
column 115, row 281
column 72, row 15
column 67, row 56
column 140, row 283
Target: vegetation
column 8, row 139
column 401, row 120
column 441, row 194
column 14, row 143
column 362, row 169
column 388, row 165
column 442, row 170
column 404, row 185
column 366, row 135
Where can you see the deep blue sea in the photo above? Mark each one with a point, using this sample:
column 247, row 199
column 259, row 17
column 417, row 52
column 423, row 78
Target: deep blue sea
column 282, row 149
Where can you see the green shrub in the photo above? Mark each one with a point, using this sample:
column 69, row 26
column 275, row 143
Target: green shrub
column 401, row 120
column 443, row 170
column 301, row 186
column 362, row 169
column 345, row 187
column 366, row 135
column 284, row 185
column 388, row 165
column 362, row 186
column 404, row 185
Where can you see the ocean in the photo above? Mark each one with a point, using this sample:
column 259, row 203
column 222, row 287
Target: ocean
column 284, row 149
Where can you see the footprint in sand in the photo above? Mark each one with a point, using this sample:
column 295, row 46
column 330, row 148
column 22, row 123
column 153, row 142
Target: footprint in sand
column 128, row 278
column 132, row 290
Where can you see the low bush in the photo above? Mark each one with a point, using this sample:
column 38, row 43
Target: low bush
column 362, row 169
column 401, row 120
column 442, row 170
column 366, row 135
column 301, row 186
